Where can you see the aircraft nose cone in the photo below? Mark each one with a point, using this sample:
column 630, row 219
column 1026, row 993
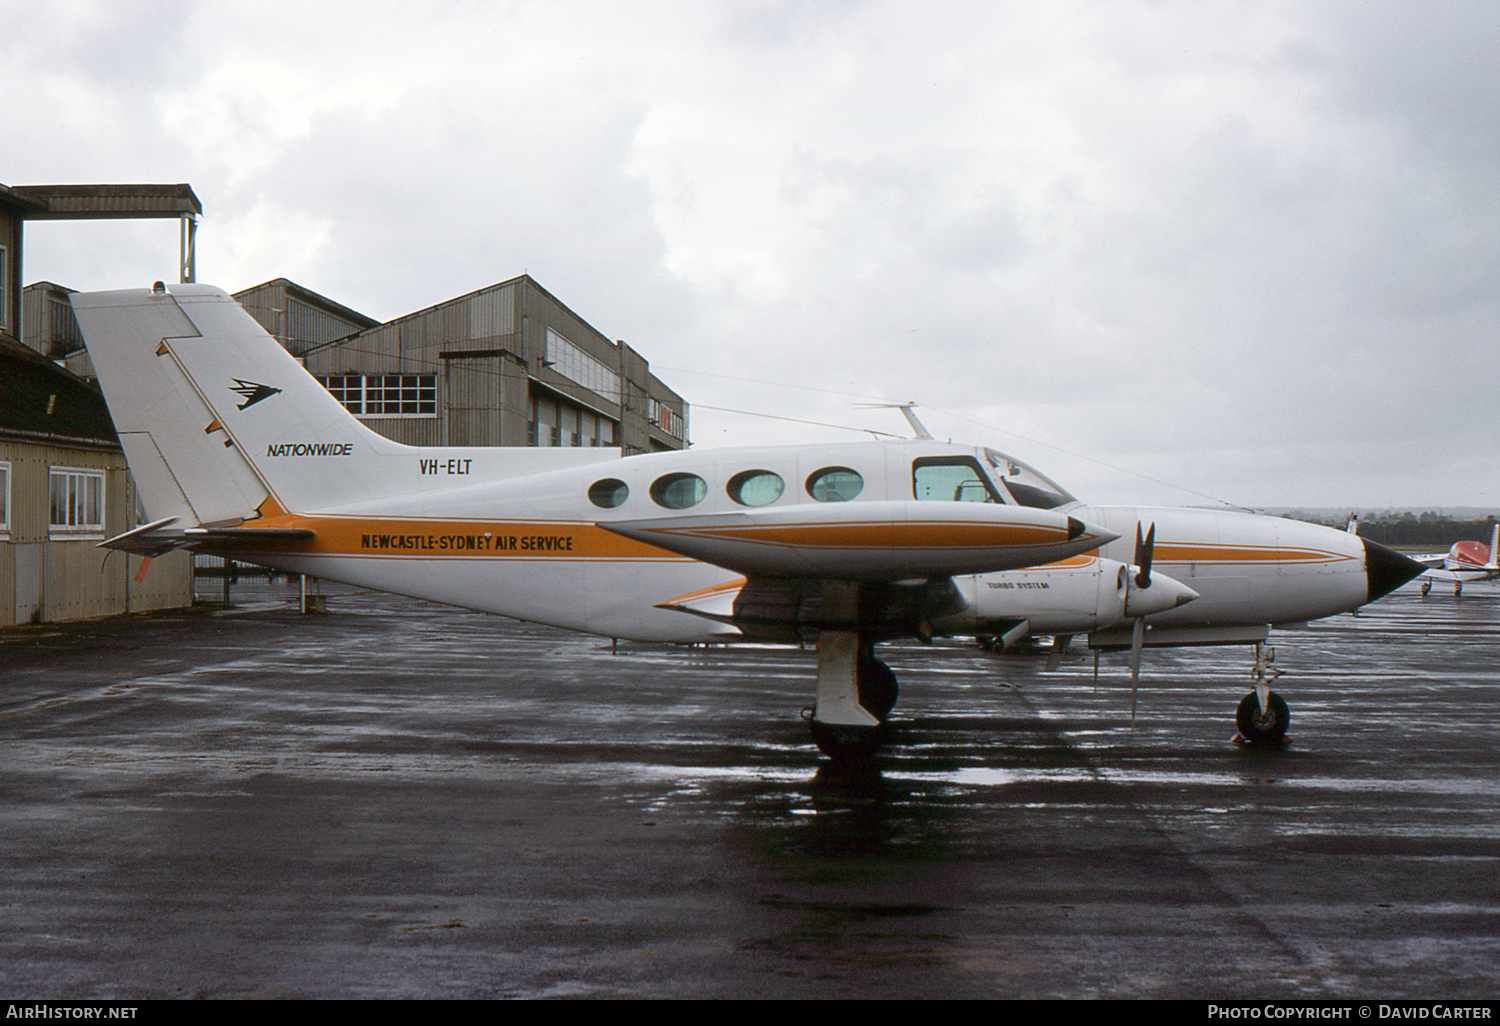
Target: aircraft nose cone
column 1387, row 570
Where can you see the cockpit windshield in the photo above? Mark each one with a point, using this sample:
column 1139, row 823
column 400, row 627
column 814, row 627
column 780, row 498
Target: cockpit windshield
column 1026, row 486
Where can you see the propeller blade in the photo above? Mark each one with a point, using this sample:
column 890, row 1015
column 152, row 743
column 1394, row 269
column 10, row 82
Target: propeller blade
column 1144, row 549
column 1137, row 637
column 1059, row 648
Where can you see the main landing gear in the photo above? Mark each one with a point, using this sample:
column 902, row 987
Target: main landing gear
column 1262, row 716
column 856, row 693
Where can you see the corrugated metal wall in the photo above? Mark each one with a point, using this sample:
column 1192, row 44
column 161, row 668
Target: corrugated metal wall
column 47, row 578
column 10, row 275
column 50, row 327
column 295, row 322
column 473, row 398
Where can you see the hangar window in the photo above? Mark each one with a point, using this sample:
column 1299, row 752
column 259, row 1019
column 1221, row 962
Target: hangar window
column 573, row 363
column 385, row 395
column 679, row 491
column 77, row 506
column 609, row 493
column 755, row 487
column 401, row 395
column 950, row 479
column 835, row 484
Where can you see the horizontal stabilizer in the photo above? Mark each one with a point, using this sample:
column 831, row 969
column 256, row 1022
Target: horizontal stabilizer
column 147, row 540
column 159, row 537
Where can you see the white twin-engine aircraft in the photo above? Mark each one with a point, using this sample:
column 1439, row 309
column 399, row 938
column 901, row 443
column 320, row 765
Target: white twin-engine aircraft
column 237, row 450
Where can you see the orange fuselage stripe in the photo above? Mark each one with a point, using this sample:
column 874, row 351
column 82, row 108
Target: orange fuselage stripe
column 900, row 534
column 446, row 539
column 1244, row 554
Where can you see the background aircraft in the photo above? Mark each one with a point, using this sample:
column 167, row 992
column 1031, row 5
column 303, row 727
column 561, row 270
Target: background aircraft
column 237, row 450
column 1466, row 561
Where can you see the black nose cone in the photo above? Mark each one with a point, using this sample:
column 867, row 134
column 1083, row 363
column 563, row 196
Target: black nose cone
column 1387, row 570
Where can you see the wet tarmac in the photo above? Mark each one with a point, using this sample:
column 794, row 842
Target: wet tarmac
column 397, row 799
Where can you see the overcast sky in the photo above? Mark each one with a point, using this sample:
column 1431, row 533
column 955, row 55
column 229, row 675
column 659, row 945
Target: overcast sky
column 1165, row 252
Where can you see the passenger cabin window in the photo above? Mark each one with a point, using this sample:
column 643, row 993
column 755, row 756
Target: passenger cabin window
column 835, row 484
column 609, row 493
column 755, row 487
column 678, row 491
column 951, row 479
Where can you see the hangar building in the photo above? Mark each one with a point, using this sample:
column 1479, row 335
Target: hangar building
column 505, row 365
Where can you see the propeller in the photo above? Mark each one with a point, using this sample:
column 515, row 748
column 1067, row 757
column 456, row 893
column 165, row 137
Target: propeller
column 1145, row 546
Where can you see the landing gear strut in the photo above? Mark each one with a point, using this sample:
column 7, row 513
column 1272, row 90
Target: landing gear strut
column 1262, row 716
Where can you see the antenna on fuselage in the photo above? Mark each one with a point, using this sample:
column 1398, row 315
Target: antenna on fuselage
column 906, row 409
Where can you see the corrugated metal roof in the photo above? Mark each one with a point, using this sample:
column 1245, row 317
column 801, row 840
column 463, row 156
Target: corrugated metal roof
column 83, row 202
column 10, row 198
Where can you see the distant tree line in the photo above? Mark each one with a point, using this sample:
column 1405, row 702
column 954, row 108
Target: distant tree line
column 1428, row 530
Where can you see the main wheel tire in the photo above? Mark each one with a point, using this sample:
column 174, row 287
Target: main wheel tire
column 1262, row 727
column 877, row 686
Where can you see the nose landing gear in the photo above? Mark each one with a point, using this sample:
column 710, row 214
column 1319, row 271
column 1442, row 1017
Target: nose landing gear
column 1262, row 716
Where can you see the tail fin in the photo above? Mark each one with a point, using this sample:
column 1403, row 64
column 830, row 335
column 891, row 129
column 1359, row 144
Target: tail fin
column 214, row 415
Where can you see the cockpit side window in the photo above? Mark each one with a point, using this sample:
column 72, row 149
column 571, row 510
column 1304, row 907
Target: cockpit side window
column 951, row 479
column 1026, row 486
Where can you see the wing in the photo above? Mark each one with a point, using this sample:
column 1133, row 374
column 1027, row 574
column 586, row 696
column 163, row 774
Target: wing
column 870, row 541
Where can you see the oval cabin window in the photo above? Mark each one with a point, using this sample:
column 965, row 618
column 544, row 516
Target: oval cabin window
column 835, row 484
column 755, row 487
column 609, row 493
column 678, row 491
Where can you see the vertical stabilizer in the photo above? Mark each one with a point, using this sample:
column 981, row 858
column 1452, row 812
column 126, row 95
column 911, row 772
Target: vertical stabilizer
column 215, row 415
column 180, row 470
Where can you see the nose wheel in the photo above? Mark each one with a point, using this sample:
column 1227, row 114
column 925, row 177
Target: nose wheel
column 1262, row 723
